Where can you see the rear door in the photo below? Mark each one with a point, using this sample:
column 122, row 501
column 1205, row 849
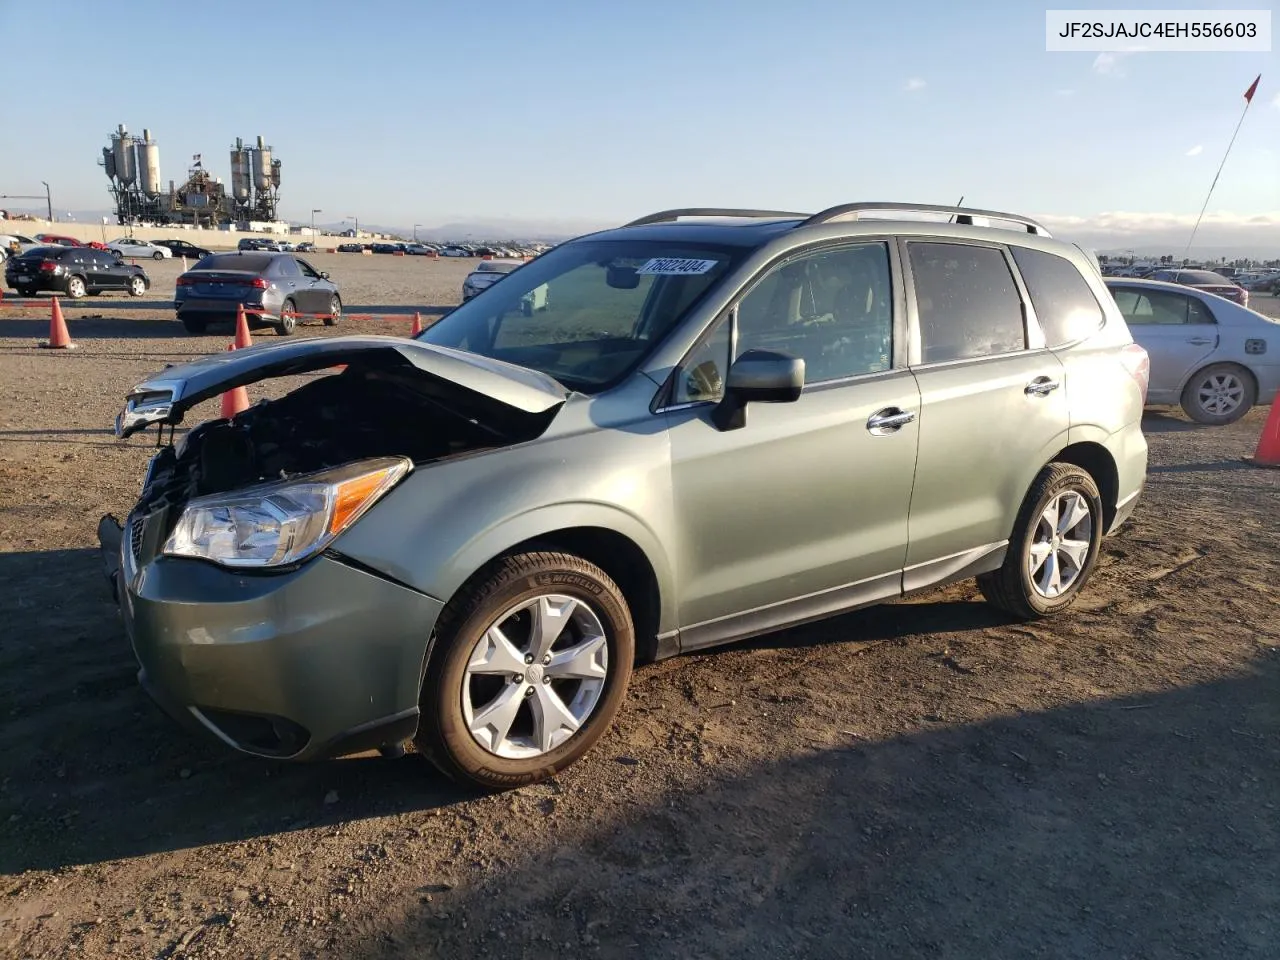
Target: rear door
column 1177, row 330
column 992, row 410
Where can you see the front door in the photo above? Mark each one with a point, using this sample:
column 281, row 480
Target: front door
column 803, row 510
column 1177, row 331
column 993, row 406
column 313, row 290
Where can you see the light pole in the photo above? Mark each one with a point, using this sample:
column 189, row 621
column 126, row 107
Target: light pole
column 356, row 220
column 313, row 223
column 48, row 199
column 415, row 232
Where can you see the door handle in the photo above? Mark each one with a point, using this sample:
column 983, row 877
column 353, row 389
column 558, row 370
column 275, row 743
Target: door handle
column 889, row 420
column 1041, row 387
column 1200, row 341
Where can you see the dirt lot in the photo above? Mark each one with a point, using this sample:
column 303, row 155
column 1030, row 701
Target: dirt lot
column 922, row 780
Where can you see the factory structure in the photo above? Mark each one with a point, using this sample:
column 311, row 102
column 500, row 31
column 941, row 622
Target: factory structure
column 132, row 165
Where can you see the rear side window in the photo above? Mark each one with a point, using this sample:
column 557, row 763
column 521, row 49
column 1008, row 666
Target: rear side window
column 1159, row 307
column 967, row 302
column 1064, row 304
column 287, row 267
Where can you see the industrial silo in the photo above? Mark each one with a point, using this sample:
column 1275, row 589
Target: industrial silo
column 240, row 176
column 262, row 166
column 126, row 169
column 109, row 163
column 149, row 165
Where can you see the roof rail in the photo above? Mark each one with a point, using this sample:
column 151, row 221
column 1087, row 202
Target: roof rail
column 963, row 215
column 670, row 216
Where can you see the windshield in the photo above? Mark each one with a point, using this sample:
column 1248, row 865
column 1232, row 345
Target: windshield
column 1198, row 276
column 589, row 311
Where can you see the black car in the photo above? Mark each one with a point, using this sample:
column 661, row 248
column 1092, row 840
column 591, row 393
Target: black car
column 385, row 248
column 181, row 248
column 74, row 272
column 351, row 248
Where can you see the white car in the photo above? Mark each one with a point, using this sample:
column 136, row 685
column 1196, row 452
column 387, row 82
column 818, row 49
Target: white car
column 489, row 272
column 24, row 243
column 133, row 247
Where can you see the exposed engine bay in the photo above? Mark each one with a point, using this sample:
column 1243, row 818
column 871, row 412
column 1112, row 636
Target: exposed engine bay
column 332, row 420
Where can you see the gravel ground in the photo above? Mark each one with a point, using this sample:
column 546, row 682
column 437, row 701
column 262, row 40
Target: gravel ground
column 923, row 779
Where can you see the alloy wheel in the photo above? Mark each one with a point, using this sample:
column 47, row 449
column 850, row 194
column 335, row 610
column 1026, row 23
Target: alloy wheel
column 1060, row 545
column 1220, row 394
column 535, row 676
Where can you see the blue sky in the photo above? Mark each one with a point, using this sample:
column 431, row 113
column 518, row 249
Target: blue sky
column 422, row 112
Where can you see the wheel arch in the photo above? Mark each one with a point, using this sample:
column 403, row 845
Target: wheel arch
column 1097, row 461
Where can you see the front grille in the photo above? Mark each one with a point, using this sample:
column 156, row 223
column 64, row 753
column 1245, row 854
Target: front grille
column 135, row 538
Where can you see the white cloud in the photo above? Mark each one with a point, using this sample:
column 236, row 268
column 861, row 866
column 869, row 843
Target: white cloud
column 1275, row 101
column 1065, row 93
column 1112, row 64
column 1196, row 150
column 914, row 84
column 1231, row 234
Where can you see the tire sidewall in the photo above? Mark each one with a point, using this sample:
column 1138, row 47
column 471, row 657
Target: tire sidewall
column 287, row 325
column 71, row 288
column 1079, row 481
column 443, row 689
column 334, row 314
column 1191, row 402
column 137, row 287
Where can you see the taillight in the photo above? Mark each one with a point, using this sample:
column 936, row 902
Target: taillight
column 258, row 283
column 1138, row 364
column 185, row 282
column 49, row 266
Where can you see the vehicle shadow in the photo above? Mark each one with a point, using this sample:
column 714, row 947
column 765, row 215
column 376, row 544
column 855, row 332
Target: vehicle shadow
column 1071, row 832
column 1154, row 421
column 1211, row 466
column 95, row 328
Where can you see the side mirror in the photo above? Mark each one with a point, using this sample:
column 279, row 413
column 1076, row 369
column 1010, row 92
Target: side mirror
column 758, row 376
column 324, row 276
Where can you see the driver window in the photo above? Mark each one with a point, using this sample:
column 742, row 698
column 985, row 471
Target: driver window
column 832, row 308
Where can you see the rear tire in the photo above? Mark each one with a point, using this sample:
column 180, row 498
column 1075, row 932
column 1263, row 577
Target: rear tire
column 287, row 322
column 76, row 288
column 488, row 599
column 195, row 326
column 1019, row 586
column 1219, row 394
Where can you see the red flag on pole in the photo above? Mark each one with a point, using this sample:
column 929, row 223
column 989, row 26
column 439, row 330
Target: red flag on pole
column 1253, row 88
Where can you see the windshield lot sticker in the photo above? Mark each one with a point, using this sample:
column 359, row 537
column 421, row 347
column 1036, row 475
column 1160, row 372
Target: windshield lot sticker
column 675, row 267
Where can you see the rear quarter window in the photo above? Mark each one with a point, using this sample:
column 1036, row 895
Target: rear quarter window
column 1062, row 299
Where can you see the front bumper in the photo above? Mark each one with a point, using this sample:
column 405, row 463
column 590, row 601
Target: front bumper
column 323, row 660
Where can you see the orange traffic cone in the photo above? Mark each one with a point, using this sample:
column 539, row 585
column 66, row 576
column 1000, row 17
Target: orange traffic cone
column 1268, row 452
column 417, row 324
column 59, row 339
column 242, row 329
column 236, row 399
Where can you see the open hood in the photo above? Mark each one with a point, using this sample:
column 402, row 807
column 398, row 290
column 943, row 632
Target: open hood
column 485, row 385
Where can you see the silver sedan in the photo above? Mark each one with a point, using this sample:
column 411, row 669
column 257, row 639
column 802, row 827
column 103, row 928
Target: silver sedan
column 1211, row 356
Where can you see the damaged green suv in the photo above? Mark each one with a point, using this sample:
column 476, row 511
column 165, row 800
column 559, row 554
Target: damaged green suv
column 726, row 423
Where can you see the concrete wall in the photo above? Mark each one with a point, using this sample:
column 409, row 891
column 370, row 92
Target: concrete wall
column 210, row 239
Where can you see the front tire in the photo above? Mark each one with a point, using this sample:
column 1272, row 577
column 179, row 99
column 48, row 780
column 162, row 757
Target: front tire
column 335, row 312
column 529, row 669
column 1054, row 545
column 1219, row 394
column 137, row 287
column 157, row 255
